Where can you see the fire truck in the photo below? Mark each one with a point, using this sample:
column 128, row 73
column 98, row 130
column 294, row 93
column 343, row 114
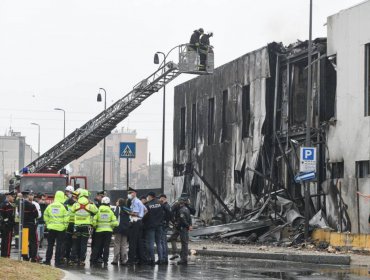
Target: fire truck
column 46, row 183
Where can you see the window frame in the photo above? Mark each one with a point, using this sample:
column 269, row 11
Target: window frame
column 211, row 120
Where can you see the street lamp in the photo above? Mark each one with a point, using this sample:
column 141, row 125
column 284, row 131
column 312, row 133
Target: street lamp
column 309, row 124
column 64, row 121
column 99, row 99
column 38, row 145
column 156, row 61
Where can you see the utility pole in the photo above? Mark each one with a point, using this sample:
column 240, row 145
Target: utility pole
column 308, row 124
column 99, row 99
column 156, row 61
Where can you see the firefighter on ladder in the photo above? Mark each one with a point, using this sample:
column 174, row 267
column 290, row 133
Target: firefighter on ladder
column 204, row 49
column 7, row 212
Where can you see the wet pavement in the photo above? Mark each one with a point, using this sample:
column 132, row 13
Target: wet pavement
column 200, row 267
column 220, row 268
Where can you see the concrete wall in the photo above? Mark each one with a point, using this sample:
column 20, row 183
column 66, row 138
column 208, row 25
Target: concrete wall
column 349, row 139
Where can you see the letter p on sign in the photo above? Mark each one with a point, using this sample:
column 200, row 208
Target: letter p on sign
column 308, row 154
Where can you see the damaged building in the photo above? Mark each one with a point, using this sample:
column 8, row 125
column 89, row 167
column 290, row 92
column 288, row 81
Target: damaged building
column 237, row 133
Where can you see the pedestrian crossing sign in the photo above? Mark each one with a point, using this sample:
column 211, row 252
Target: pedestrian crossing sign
column 127, row 150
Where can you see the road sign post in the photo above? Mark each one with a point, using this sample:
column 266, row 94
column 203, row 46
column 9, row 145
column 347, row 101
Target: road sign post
column 127, row 150
column 307, row 167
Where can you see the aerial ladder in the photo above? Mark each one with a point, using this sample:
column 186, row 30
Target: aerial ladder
column 91, row 133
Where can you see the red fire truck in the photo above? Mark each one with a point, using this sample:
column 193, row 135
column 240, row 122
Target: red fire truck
column 46, row 183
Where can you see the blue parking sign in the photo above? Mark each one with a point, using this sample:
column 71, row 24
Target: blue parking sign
column 307, row 159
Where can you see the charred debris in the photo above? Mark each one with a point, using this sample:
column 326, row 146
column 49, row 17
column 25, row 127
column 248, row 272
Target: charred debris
column 237, row 135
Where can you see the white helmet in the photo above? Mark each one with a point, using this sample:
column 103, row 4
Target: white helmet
column 70, row 189
column 105, row 200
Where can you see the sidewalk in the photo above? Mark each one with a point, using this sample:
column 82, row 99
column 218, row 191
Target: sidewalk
column 305, row 255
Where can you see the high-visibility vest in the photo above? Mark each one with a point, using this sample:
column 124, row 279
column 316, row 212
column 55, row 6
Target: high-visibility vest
column 105, row 220
column 56, row 216
column 71, row 214
column 83, row 211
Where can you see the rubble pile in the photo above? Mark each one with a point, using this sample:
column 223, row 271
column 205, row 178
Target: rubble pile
column 278, row 221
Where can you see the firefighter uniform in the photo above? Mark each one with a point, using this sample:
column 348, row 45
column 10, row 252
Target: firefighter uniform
column 56, row 218
column 7, row 212
column 182, row 224
column 104, row 222
column 204, row 50
column 84, row 212
column 29, row 221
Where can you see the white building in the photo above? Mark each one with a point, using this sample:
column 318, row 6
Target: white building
column 349, row 134
column 15, row 154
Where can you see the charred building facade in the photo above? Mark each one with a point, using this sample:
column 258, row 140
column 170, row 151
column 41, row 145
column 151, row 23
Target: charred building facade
column 238, row 132
column 240, row 128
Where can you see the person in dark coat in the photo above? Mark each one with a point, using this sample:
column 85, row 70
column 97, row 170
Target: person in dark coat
column 183, row 224
column 204, row 49
column 29, row 221
column 165, row 225
column 7, row 211
column 153, row 227
column 194, row 39
column 121, row 232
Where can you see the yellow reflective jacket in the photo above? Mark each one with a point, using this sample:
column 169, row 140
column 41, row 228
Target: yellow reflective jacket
column 69, row 203
column 83, row 211
column 56, row 216
column 105, row 220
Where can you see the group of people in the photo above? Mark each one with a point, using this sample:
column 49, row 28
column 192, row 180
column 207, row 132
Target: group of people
column 136, row 225
column 199, row 41
column 33, row 208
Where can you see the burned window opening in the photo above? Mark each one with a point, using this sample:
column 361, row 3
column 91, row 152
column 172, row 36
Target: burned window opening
column 193, row 125
column 337, row 170
column 363, row 169
column 225, row 94
column 246, row 109
column 299, row 92
column 367, row 79
column 211, row 119
column 182, row 128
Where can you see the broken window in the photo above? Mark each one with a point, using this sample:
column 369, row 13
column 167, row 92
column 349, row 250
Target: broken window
column 337, row 170
column 182, row 128
column 224, row 108
column 367, row 80
column 193, row 125
column 363, row 169
column 211, row 119
column 299, row 93
column 246, row 108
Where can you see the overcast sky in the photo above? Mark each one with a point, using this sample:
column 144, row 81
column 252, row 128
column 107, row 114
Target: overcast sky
column 59, row 53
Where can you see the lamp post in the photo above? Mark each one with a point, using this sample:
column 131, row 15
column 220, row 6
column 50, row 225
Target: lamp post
column 64, row 120
column 99, row 99
column 156, row 61
column 38, row 141
column 308, row 126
